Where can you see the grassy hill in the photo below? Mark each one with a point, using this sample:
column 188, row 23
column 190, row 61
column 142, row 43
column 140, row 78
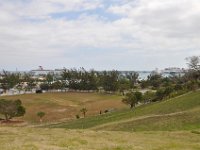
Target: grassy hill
column 180, row 113
column 64, row 106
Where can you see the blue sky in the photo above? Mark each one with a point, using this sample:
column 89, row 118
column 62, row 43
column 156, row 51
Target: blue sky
column 99, row 34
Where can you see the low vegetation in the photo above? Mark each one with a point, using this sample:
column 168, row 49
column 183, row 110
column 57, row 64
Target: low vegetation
column 61, row 139
column 169, row 104
column 183, row 108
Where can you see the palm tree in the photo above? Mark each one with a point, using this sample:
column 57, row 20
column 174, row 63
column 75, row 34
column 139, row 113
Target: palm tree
column 83, row 110
column 41, row 115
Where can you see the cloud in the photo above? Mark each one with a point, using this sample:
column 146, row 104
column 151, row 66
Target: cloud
column 32, row 32
column 170, row 23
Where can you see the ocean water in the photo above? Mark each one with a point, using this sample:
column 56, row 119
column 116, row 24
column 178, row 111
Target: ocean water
column 144, row 75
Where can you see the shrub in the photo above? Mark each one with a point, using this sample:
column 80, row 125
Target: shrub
column 77, row 116
column 41, row 115
column 38, row 91
column 10, row 108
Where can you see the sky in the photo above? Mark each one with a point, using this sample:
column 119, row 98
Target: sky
column 99, row 34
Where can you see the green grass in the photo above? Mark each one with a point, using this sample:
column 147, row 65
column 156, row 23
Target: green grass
column 182, row 103
column 182, row 121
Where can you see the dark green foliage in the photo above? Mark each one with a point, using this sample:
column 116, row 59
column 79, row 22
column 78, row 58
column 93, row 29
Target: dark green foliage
column 132, row 98
column 38, row 91
column 31, row 83
column 160, row 94
column 44, row 86
column 49, row 78
column 109, row 80
column 168, row 90
column 132, row 77
column 144, row 84
column 163, row 93
column 41, row 114
column 106, row 111
column 57, row 85
column 149, row 96
column 77, row 116
column 9, row 80
column 178, row 87
column 155, row 80
column 80, row 79
column 192, row 85
column 10, row 108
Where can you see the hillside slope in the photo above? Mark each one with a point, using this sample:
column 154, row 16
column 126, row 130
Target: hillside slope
column 64, row 106
column 180, row 113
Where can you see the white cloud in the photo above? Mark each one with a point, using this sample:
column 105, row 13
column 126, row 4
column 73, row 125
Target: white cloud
column 145, row 29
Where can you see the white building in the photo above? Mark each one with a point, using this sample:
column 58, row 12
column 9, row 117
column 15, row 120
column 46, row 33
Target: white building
column 41, row 72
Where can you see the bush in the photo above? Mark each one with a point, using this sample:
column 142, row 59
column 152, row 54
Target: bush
column 38, row 91
column 41, row 115
column 10, row 108
column 106, row 111
column 77, row 116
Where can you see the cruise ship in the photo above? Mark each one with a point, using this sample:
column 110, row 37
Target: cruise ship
column 173, row 70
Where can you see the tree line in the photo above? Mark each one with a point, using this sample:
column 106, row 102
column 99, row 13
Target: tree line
column 108, row 81
column 73, row 79
column 158, row 87
column 167, row 87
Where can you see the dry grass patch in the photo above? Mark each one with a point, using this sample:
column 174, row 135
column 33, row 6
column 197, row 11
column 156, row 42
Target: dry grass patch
column 60, row 139
column 64, row 106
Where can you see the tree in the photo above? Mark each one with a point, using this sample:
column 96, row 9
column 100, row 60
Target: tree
column 194, row 62
column 49, row 78
column 144, row 84
column 155, row 80
column 9, row 80
column 168, row 91
column 41, row 115
column 192, row 85
column 28, row 78
column 83, row 111
column 109, row 80
column 44, row 86
column 132, row 98
column 57, row 85
column 194, row 68
column 10, row 108
column 123, row 84
column 19, row 87
column 133, row 77
column 160, row 94
column 148, row 96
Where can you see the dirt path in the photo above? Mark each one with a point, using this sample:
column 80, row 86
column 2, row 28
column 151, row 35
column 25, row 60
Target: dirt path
column 135, row 119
